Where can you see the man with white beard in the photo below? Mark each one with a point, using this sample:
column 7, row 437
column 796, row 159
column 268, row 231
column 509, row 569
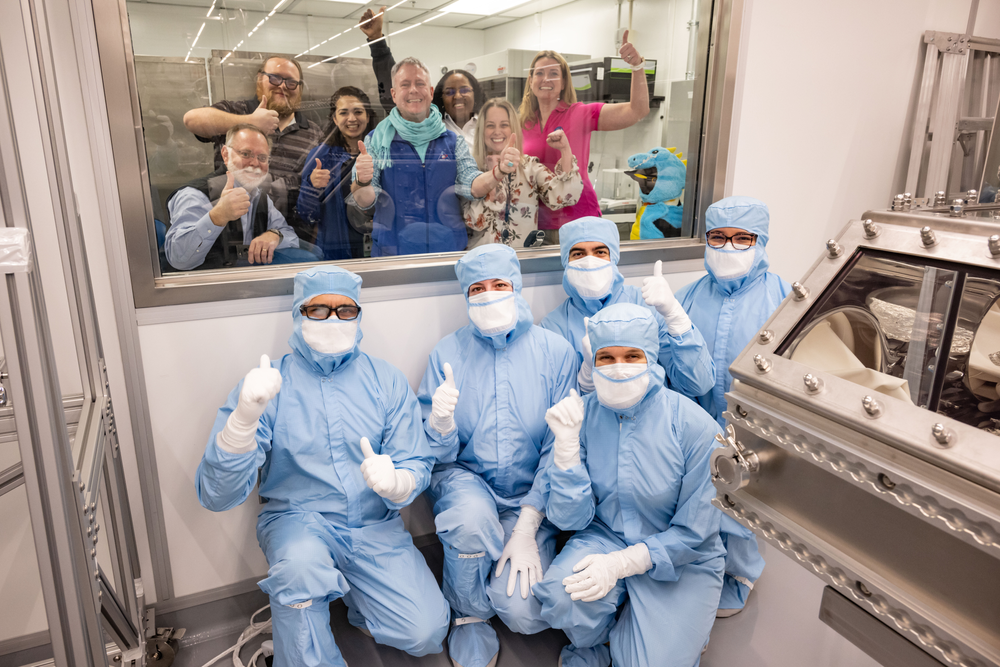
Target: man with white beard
column 274, row 109
column 218, row 221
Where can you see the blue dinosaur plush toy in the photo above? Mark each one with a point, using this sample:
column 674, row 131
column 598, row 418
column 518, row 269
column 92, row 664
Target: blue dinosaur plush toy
column 660, row 175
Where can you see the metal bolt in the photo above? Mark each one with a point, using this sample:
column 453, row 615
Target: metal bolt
column 93, row 506
column 864, row 590
column 766, row 336
column 813, row 383
column 93, row 553
column 886, row 482
column 972, row 196
column 927, row 237
column 871, row 229
column 89, row 530
column 994, row 244
column 763, row 365
column 956, row 208
column 97, row 573
column 800, row 291
column 907, row 201
column 118, row 658
column 97, row 529
column 871, row 406
column 940, row 198
column 941, row 434
column 833, row 249
column 897, row 203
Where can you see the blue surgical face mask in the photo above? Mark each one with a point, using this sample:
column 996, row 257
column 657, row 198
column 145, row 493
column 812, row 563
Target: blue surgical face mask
column 729, row 263
column 620, row 386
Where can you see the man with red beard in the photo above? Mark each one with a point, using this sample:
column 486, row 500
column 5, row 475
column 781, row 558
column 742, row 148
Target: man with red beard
column 274, row 110
column 227, row 218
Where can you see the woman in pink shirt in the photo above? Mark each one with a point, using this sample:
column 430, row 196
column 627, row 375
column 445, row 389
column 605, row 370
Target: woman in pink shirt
column 549, row 104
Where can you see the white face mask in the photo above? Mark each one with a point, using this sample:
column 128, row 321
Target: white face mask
column 591, row 276
column 727, row 264
column 493, row 312
column 621, row 386
column 330, row 336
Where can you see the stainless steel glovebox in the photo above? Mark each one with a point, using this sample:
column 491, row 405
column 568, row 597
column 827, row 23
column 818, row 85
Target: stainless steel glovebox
column 864, row 421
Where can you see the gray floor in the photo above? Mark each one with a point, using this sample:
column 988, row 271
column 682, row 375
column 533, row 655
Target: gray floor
column 778, row 628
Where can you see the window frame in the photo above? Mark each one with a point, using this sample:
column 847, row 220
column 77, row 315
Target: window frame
column 719, row 25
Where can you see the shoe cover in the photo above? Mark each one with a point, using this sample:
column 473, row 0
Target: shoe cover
column 595, row 656
column 473, row 644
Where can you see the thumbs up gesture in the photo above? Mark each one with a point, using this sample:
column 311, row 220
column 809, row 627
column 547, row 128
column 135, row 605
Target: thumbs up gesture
column 564, row 420
column 320, row 177
column 628, row 51
column 233, row 203
column 656, row 293
column 259, row 386
column 264, row 118
column 382, row 477
column 510, row 157
column 364, row 167
column 443, row 403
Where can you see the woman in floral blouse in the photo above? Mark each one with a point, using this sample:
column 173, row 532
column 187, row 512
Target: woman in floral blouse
column 509, row 213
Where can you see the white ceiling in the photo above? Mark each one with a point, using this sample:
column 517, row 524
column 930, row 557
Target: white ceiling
column 411, row 11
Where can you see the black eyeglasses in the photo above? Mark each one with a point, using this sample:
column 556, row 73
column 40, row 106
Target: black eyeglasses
column 451, row 92
column 324, row 312
column 276, row 81
column 740, row 240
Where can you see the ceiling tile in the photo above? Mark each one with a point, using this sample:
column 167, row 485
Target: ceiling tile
column 488, row 22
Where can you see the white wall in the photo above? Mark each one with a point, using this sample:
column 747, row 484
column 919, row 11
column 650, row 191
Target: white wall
column 825, row 100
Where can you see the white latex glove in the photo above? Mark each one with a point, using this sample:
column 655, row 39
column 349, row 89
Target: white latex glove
column 259, row 386
column 585, row 377
column 597, row 574
column 382, row 477
column 443, row 403
column 656, row 293
column 522, row 552
column 564, row 420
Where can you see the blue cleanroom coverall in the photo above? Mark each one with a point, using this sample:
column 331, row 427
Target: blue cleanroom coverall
column 492, row 462
column 729, row 314
column 644, row 477
column 685, row 358
column 326, row 535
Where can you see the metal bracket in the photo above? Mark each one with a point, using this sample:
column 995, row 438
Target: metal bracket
column 947, row 42
column 732, row 463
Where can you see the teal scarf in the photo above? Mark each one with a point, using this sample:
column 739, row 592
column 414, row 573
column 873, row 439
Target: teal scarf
column 420, row 135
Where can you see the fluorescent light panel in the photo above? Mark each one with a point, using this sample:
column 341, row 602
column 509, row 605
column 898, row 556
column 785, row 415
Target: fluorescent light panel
column 483, row 7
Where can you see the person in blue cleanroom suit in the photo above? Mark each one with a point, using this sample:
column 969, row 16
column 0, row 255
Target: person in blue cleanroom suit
column 589, row 251
column 484, row 397
column 630, row 472
column 729, row 306
column 342, row 449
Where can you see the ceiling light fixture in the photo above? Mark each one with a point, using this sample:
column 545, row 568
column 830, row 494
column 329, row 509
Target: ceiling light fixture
column 376, row 41
column 195, row 41
column 483, row 7
column 256, row 27
column 343, row 32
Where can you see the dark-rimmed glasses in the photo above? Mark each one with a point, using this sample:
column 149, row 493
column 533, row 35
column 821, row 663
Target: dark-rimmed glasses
column 276, row 81
column 740, row 240
column 344, row 312
column 451, row 92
